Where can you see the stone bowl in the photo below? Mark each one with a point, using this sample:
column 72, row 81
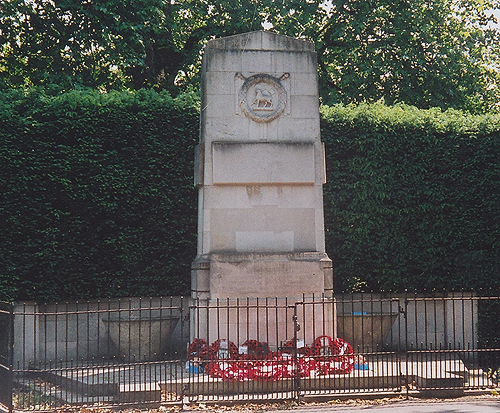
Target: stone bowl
column 365, row 332
column 141, row 338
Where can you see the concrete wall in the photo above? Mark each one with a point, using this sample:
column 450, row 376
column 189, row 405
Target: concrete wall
column 77, row 331
column 71, row 332
column 447, row 321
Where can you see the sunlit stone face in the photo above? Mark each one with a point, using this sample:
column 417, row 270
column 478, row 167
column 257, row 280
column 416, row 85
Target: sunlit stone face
column 259, row 171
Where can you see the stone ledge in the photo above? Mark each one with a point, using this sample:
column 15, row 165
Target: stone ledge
column 261, row 40
column 312, row 256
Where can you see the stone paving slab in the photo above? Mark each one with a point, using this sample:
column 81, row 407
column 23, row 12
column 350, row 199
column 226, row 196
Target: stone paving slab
column 114, row 380
column 445, row 374
column 170, row 380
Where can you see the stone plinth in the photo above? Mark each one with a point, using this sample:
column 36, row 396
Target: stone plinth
column 260, row 169
column 242, row 275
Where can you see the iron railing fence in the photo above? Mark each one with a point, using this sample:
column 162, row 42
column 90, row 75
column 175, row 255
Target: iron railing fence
column 454, row 340
column 109, row 351
column 175, row 350
column 6, row 353
column 442, row 342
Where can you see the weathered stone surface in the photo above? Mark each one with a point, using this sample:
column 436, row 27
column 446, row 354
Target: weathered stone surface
column 259, row 171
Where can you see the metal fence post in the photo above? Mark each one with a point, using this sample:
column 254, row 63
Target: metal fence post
column 11, row 356
column 405, row 377
column 296, row 328
column 6, row 356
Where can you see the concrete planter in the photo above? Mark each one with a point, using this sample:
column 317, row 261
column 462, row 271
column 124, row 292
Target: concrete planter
column 365, row 332
column 141, row 339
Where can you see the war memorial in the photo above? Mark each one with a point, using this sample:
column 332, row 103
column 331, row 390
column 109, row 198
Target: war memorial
column 260, row 169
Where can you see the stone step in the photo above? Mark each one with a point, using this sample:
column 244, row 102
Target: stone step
column 168, row 381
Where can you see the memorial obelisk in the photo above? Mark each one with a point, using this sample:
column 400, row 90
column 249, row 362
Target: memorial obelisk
column 260, row 168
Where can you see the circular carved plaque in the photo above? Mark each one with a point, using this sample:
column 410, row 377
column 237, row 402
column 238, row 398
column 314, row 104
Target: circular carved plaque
column 262, row 98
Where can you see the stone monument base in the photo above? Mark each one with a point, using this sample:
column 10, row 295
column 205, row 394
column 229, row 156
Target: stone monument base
column 247, row 296
column 257, row 275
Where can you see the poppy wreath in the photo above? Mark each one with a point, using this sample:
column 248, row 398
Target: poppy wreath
column 260, row 370
column 227, row 371
column 256, row 350
column 338, row 357
column 326, row 356
column 288, row 348
column 213, row 350
column 198, row 349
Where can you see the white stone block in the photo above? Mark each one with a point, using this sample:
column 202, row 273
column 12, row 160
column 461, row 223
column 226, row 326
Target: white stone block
column 265, row 163
column 304, row 107
column 256, row 62
column 219, row 106
column 249, row 196
column 264, row 241
column 235, row 128
column 225, row 223
column 220, row 83
column 259, row 276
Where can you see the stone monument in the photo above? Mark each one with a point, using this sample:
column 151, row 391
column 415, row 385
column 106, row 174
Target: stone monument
column 260, row 169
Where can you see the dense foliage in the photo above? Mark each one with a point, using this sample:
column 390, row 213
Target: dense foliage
column 97, row 194
column 412, row 198
column 98, row 197
column 437, row 53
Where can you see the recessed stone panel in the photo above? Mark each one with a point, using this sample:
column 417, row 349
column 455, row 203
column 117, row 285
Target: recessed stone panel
column 264, row 163
column 277, row 229
column 259, row 277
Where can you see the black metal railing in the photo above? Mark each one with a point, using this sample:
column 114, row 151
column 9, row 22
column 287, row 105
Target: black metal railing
column 112, row 352
column 6, row 352
column 176, row 350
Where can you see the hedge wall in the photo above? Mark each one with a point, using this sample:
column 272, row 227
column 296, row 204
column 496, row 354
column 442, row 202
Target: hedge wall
column 98, row 194
column 98, row 197
column 413, row 198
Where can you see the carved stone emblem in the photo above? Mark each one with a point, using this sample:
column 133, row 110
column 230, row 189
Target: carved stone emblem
column 262, row 97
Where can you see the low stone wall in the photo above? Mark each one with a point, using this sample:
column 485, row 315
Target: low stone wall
column 446, row 320
column 73, row 332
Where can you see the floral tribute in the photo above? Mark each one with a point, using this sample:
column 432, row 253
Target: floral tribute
column 254, row 361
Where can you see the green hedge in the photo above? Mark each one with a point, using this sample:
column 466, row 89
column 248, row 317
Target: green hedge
column 98, row 196
column 413, row 198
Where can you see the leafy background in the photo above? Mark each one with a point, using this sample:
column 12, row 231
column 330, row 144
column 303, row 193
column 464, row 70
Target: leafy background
column 437, row 53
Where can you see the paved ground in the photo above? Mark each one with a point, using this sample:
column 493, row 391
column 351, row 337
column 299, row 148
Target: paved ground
column 412, row 407
column 487, row 403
